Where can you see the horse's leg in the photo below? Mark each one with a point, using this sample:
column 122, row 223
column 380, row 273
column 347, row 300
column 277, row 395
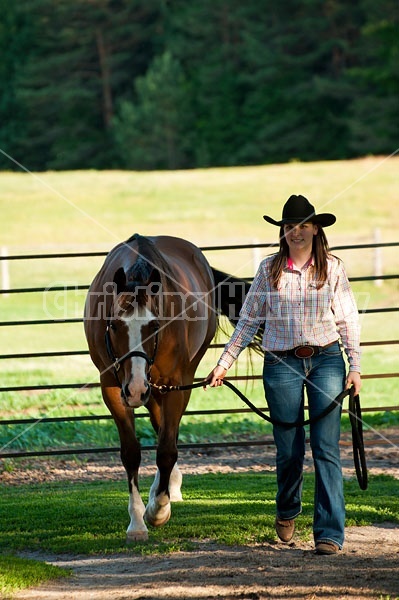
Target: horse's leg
column 168, row 478
column 131, row 457
column 175, row 481
column 176, row 478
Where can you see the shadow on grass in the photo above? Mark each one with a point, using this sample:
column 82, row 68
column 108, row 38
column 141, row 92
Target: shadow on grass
column 233, row 509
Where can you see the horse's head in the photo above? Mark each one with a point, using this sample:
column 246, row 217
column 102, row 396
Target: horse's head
column 132, row 335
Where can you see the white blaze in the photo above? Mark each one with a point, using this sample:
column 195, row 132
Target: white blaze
column 138, row 383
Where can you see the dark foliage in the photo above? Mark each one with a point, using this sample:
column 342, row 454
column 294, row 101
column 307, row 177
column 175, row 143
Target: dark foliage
column 156, row 84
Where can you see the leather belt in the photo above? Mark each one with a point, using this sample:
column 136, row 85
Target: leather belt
column 305, row 351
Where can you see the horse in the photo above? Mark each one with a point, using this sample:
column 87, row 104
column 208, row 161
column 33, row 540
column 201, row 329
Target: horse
column 150, row 315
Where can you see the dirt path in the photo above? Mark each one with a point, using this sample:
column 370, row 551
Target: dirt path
column 367, row 569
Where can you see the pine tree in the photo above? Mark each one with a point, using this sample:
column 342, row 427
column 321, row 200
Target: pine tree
column 153, row 132
column 374, row 77
column 87, row 54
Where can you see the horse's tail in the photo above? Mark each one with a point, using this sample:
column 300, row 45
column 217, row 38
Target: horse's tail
column 230, row 294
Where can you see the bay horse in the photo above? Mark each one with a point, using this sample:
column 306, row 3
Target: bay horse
column 150, row 314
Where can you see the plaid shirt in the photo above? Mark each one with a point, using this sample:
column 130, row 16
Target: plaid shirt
column 297, row 313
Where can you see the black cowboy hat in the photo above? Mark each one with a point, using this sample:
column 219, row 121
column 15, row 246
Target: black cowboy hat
column 298, row 209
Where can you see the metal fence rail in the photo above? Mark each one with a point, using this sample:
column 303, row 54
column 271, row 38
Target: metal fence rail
column 203, row 248
column 89, row 386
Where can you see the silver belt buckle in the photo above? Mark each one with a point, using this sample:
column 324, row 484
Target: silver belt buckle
column 304, row 351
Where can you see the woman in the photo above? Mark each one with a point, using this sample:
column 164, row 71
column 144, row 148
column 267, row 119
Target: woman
column 303, row 298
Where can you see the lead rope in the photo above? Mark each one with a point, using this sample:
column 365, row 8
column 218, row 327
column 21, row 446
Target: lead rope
column 359, row 457
column 355, row 417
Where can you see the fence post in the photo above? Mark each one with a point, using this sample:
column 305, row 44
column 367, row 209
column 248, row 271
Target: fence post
column 377, row 257
column 5, row 274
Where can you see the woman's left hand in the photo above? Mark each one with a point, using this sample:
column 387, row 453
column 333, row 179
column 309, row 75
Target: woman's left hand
column 354, row 380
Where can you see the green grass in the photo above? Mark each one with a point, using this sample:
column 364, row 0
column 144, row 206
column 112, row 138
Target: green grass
column 19, row 573
column 91, row 518
column 233, row 509
column 95, row 210
column 50, row 212
column 194, row 428
column 206, row 206
column 61, row 212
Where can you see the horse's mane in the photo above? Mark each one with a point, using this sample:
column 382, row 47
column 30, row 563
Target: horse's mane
column 148, row 276
column 148, row 259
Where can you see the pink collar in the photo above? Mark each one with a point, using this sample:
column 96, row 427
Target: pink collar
column 290, row 264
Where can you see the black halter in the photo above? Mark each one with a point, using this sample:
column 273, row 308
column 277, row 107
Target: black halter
column 117, row 362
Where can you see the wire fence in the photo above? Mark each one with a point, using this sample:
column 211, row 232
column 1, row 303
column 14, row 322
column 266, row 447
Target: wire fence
column 88, row 386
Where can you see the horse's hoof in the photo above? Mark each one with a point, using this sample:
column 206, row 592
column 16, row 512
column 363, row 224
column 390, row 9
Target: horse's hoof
column 158, row 522
column 136, row 536
column 161, row 517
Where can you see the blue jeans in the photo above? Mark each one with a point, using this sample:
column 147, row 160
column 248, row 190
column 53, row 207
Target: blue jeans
column 284, row 379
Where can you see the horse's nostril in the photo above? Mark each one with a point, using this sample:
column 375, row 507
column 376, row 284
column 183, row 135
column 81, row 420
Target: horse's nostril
column 145, row 395
column 126, row 392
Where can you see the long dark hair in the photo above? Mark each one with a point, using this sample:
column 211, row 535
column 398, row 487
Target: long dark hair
column 320, row 251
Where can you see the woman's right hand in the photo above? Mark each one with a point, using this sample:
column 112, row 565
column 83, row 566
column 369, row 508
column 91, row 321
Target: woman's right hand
column 215, row 377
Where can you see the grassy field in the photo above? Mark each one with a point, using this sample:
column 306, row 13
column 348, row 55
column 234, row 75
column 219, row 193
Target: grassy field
column 206, row 206
column 229, row 509
column 92, row 211
column 18, row 573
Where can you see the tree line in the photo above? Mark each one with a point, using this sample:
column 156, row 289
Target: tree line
column 174, row 84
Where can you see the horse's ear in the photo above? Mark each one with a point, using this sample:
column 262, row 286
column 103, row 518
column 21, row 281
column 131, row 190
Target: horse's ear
column 120, row 280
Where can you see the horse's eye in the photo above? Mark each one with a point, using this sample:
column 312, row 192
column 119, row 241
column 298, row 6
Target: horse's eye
column 112, row 326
